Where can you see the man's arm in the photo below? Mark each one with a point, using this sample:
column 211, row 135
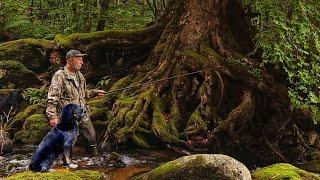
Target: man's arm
column 54, row 95
column 92, row 92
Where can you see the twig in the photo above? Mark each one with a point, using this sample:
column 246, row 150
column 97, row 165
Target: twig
column 275, row 151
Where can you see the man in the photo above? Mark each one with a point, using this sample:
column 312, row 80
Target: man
column 68, row 85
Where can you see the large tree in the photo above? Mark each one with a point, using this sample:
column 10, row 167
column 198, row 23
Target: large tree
column 234, row 106
column 192, row 84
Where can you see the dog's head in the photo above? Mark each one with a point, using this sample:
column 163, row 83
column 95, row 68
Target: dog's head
column 71, row 114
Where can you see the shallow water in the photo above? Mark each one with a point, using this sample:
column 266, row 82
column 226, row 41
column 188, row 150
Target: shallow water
column 118, row 165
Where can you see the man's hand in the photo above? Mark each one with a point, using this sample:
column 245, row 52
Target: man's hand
column 101, row 92
column 53, row 122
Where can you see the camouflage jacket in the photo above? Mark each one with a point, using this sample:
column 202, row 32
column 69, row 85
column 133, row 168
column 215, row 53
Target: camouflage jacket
column 67, row 88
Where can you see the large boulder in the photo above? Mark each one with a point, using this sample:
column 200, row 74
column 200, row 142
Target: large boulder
column 59, row 174
column 33, row 53
column 33, row 131
column 13, row 74
column 20, row 117
column 200, row 166
column 282, row 171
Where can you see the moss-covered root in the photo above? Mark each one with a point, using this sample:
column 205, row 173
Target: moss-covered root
column 195, row 124
column 283, row 171
column 58, row 174
column 164, row 130
column 130, row 117
column 238, row 116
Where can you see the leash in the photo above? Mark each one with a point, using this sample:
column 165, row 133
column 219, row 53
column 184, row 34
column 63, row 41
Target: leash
column 163, row 79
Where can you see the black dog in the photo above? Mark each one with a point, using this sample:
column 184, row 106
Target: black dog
column 59, row 140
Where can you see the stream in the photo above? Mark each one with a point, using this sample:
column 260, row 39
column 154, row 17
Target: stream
column 118, row 165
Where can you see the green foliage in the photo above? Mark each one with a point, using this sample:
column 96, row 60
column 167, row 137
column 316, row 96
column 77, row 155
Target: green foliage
column 104, row 82
column 289, row 36
column 34, row 95
column 128, row 16
column 46, row 19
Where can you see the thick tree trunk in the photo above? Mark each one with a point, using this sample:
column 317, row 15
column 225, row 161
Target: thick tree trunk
column 103, row 15
column 217, row 109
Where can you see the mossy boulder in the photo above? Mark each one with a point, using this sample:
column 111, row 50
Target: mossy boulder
column 33, row 53
column 200, row 166
column 58, row 174
column 282, row 171
column 13, row 74
column 34, row 129
column 19, row 119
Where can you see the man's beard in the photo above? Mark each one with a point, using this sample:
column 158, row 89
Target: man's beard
column 76, row 67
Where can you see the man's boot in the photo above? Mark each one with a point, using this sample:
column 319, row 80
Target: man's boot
column 94, row 149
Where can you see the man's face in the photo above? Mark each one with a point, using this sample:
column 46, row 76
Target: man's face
column 76, row 63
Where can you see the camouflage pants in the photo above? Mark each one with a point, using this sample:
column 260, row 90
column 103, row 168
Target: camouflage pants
column 87, row 129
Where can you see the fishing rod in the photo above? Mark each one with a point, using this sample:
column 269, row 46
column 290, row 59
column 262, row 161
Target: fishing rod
column 163, row 79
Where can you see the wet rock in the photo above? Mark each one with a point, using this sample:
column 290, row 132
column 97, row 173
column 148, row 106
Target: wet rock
column 200, row 166
column 282, row 171
column 128, row 161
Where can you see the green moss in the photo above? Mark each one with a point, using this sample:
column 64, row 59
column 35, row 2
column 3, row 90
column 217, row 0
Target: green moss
column 20, row 118
column 118, row 120
column 195, row 123
column 13, row 72
column 34, row 129
column 88, row 175
column 115, row 37
column 99, row 113
column 121, row 83
column 159, row 125
column 141, row 141
column 57, row 175
column 182, row 168
column 283, row 171
column 99, row 102
column 29, row 52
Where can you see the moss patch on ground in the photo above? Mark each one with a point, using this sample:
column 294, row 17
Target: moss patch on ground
column 283, row 171
column 58, row 175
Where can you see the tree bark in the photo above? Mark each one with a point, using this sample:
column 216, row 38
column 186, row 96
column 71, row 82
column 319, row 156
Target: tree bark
column 103, row 13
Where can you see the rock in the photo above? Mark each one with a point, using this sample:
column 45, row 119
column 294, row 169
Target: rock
column 200, row 166
column 282, row 171
column 13, row 74
column 33, row 131
column 19, row 119
column 128, row 161
column 58, row 174
column 33, row 53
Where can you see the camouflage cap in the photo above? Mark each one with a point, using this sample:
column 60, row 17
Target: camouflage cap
column 74, row 53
